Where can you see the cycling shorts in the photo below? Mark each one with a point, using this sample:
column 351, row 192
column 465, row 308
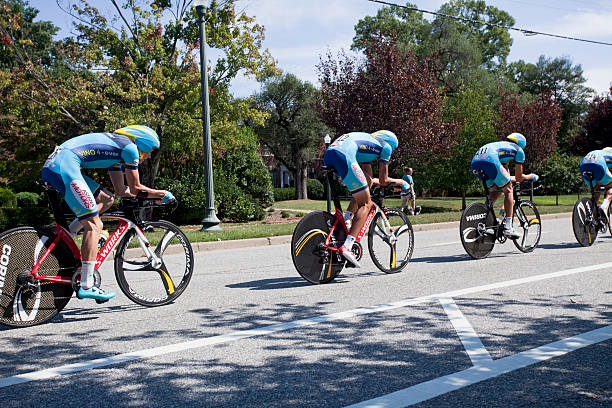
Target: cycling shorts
column 62, row 171
column 347, row 168
column 492, row 167
column 596, row 165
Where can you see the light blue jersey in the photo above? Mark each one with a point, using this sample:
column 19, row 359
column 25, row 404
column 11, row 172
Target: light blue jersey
column 598, row 163
column 490, row 158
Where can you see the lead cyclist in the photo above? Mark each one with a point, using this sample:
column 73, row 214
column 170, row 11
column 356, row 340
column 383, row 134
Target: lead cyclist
column 122, row 149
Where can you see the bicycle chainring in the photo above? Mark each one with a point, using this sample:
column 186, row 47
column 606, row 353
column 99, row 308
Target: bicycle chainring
column 357, row 250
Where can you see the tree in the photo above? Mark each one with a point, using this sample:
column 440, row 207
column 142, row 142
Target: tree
column 389, row 89
column 477, row 119
column 597, row 126
column 293, row 130
column 566, row 83
column 538, row 120
column 560, row 171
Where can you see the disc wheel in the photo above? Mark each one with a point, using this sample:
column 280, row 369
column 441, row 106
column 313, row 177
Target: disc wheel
column 475, row 221
column 391, row 240
column 313, row 261
column 145, row 282
column 26, row 301
column 585, row 228
column 530, row 222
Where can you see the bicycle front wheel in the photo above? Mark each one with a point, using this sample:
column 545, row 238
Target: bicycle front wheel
column 391, row 240
column 585, row 229
column 140, row 278
column 477, row 230
column 313, row 261
column 28, row 301
column 531, row 225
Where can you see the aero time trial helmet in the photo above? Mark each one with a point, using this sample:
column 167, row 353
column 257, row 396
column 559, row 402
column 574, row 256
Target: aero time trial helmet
column 518, row 139
column 145, row 138
column 607, row 149
column 388, row 137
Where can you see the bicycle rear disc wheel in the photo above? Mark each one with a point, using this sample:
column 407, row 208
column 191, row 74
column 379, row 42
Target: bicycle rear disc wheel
column 391, row 250
column 531, row 225
column 27, row 305
column 475, row 221
column 312, row 260
column 584, row 226
column 142, row 282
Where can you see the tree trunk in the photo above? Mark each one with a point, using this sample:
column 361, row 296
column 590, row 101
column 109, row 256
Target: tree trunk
column 557, row 199
column 301, row 192
column 463, row 200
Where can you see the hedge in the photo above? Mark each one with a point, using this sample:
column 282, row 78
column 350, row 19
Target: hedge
column 17, row 217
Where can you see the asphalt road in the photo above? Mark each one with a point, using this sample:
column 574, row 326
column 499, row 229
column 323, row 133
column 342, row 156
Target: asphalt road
column 511, row 330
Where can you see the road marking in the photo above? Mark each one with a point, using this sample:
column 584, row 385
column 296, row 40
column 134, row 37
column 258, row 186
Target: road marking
column 238, row 335
column 486, row 370
column 470, row 340
column 443, row 244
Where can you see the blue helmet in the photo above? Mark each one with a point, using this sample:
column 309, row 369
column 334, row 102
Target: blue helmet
column 518, row 139
column 388, row 137
column 145, row 138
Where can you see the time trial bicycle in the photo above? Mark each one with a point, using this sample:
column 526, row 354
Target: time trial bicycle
column 319, row 235
column 588, row 219
column 479, row 228
column 39, row 265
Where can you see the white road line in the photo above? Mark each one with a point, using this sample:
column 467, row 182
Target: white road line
column 452, row 382
column 443, row 244
column 237, row 335
column 472, row 344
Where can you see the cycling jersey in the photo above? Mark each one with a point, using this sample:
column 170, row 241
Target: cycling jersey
column 62, row 170
column 490, row 158
column 345, row 154
column 597, row 162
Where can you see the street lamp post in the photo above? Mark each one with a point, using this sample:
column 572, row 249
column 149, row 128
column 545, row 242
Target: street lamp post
column 327, row 141
column 210, row 222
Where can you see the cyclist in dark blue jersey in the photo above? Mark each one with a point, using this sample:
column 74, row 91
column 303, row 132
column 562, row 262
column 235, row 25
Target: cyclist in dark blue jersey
column 493, row 159
column 351, row 156
column 124, row 148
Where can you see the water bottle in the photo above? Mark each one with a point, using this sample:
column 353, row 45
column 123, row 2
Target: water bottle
column 502, row 214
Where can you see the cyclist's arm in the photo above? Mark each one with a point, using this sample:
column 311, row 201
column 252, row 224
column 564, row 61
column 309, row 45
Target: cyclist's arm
column 133, row 180
column 121, row 190
column 518, row 174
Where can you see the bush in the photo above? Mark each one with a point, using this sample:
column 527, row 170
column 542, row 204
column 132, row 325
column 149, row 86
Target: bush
column 17, row 217
column 315, row 189
column 28, row 200
column 284, row 194
column 8, row 199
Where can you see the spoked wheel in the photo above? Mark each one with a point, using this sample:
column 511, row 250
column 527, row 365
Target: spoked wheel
column 585, row 228
column 26, row 301
column 476, row 229
column 149, row 282
column 312, row 260
column 531, row 225
column 391, row 240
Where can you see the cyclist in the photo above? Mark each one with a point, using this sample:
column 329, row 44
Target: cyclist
column 599, row 162
column 493, row 159
column 351, row 156
column 124, row 148
column 408, row 193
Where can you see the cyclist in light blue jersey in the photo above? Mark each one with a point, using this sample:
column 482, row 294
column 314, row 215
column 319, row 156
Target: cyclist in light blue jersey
column 124, row 148
column 493, row 159
column 599, row 162
column 351, row 156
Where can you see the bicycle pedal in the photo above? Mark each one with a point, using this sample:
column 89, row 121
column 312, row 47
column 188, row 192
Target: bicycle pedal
column 100, row 301
column 349, row 265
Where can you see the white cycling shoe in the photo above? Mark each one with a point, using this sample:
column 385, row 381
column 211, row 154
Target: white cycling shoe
column 349, row 256
column 511, row 233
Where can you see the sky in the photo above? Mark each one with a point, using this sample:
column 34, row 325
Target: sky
column 298, row 32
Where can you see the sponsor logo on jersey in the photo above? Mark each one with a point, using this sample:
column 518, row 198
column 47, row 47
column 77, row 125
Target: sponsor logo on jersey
column 82, row 194
column 4, row 262
column 476, row 217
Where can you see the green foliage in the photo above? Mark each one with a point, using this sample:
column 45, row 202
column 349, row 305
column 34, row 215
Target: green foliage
column 28, row 200
column 190, row 193
column 284, row 194
column 560, row 174
column 8, row 199
column 285, row 214
column 17, row 217
column 316, row 191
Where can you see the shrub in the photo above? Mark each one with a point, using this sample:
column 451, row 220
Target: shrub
column 8, row 199
column 28, row 200
column 17, row 217
column 315, row 189
column 285, row 214
column 284, row 194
